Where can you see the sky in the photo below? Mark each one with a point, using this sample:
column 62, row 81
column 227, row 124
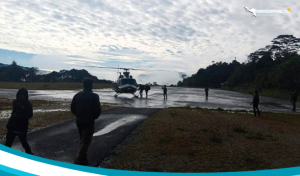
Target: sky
column 176, row 36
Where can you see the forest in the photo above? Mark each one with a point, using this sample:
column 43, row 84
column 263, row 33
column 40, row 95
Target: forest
column 274, row 67
column 16, row 73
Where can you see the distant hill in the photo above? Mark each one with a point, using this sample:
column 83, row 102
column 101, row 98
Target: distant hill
column 38, row 72
column 1, row 65
column 72, row 75
column 18, row 73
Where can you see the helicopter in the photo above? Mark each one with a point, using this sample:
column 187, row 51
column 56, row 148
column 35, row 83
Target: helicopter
column 125, row 83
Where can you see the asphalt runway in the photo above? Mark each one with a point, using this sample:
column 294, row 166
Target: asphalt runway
column 60, row 142
column 194, row 97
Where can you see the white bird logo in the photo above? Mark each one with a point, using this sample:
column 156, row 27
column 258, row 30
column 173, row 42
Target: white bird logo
column 251, row 10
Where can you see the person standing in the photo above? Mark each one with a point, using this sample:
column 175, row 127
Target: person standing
column 141, row 88
column 165, row 90
column 255, row 103
column 147, row 88
column 294, row 97
column 86, row 107
column 206, row 92
column 17, row 124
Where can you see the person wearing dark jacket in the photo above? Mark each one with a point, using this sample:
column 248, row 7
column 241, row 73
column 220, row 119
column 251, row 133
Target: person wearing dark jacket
column 255, row 103
column 141, row 88
column 206, row 92
column 165, row 90
column 86, row 107
column 294, row 97
column 17, row 124
column 147, row 88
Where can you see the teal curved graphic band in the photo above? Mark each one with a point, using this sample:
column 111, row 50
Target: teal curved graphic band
column 6, row 171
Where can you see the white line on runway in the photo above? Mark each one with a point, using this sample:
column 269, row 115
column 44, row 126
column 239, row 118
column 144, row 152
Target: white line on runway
column 118, row 123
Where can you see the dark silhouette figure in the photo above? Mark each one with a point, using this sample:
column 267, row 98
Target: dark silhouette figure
column 255, row 103
column 294, row 97
column 86, row 107
column 165, row 92
column 141, row 88
column 147, row 88
column 18, row 123
column 206, row 92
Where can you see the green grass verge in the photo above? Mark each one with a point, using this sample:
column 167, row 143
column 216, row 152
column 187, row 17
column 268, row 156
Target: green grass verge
column 202, row 140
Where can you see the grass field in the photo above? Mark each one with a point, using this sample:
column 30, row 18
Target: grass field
column 199, row 140
column 50, row 86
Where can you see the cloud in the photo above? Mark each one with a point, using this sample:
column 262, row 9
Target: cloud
column 181, row 36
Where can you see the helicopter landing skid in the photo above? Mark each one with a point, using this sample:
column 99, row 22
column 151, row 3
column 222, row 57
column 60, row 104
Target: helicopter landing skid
column 135, row 96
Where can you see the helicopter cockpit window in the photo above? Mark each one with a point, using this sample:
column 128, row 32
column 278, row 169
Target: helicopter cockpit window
column 128, row 81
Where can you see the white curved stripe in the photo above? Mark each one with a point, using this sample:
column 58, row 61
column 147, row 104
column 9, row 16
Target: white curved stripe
column 118, row 123
column 37, row 168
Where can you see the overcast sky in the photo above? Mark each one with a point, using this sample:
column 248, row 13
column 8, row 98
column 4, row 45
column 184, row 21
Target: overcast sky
column 178, row 36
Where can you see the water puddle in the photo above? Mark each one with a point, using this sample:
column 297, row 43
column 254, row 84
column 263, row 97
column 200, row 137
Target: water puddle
column 50, row 110
column 118, row 123
column 6, row 114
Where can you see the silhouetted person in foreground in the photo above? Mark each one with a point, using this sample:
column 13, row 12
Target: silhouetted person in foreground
column 206, row 92
column 255, row 103
column 165, row 90
column 86, row 107
column 294, row 97
column 147, row 88
column 141, row 88
column 18, row 123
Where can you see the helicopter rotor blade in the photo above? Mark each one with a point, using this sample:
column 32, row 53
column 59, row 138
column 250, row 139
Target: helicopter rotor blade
column 101, row 67
column 138, row 69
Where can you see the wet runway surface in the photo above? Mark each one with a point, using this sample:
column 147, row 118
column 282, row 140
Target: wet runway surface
column 193, row 97
column 60, row 142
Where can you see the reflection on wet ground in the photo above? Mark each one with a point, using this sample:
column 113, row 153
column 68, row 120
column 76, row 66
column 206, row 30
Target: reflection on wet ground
column 6, row 113
column 125, row 120
column 194, row 97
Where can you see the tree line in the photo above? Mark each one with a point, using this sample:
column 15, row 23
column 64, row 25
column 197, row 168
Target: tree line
column 16, row 73
column 276, row 66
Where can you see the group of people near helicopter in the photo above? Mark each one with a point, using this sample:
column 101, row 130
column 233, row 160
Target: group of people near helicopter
column 143, row 88
column 147, row 87
column 87, row 108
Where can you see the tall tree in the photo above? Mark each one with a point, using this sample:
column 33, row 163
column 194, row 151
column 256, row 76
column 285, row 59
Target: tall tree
column 284, row 46
column 183, row 76
column 15, row 72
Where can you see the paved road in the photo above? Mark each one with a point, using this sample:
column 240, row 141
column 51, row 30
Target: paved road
column 61, row 142
column 194, row 97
